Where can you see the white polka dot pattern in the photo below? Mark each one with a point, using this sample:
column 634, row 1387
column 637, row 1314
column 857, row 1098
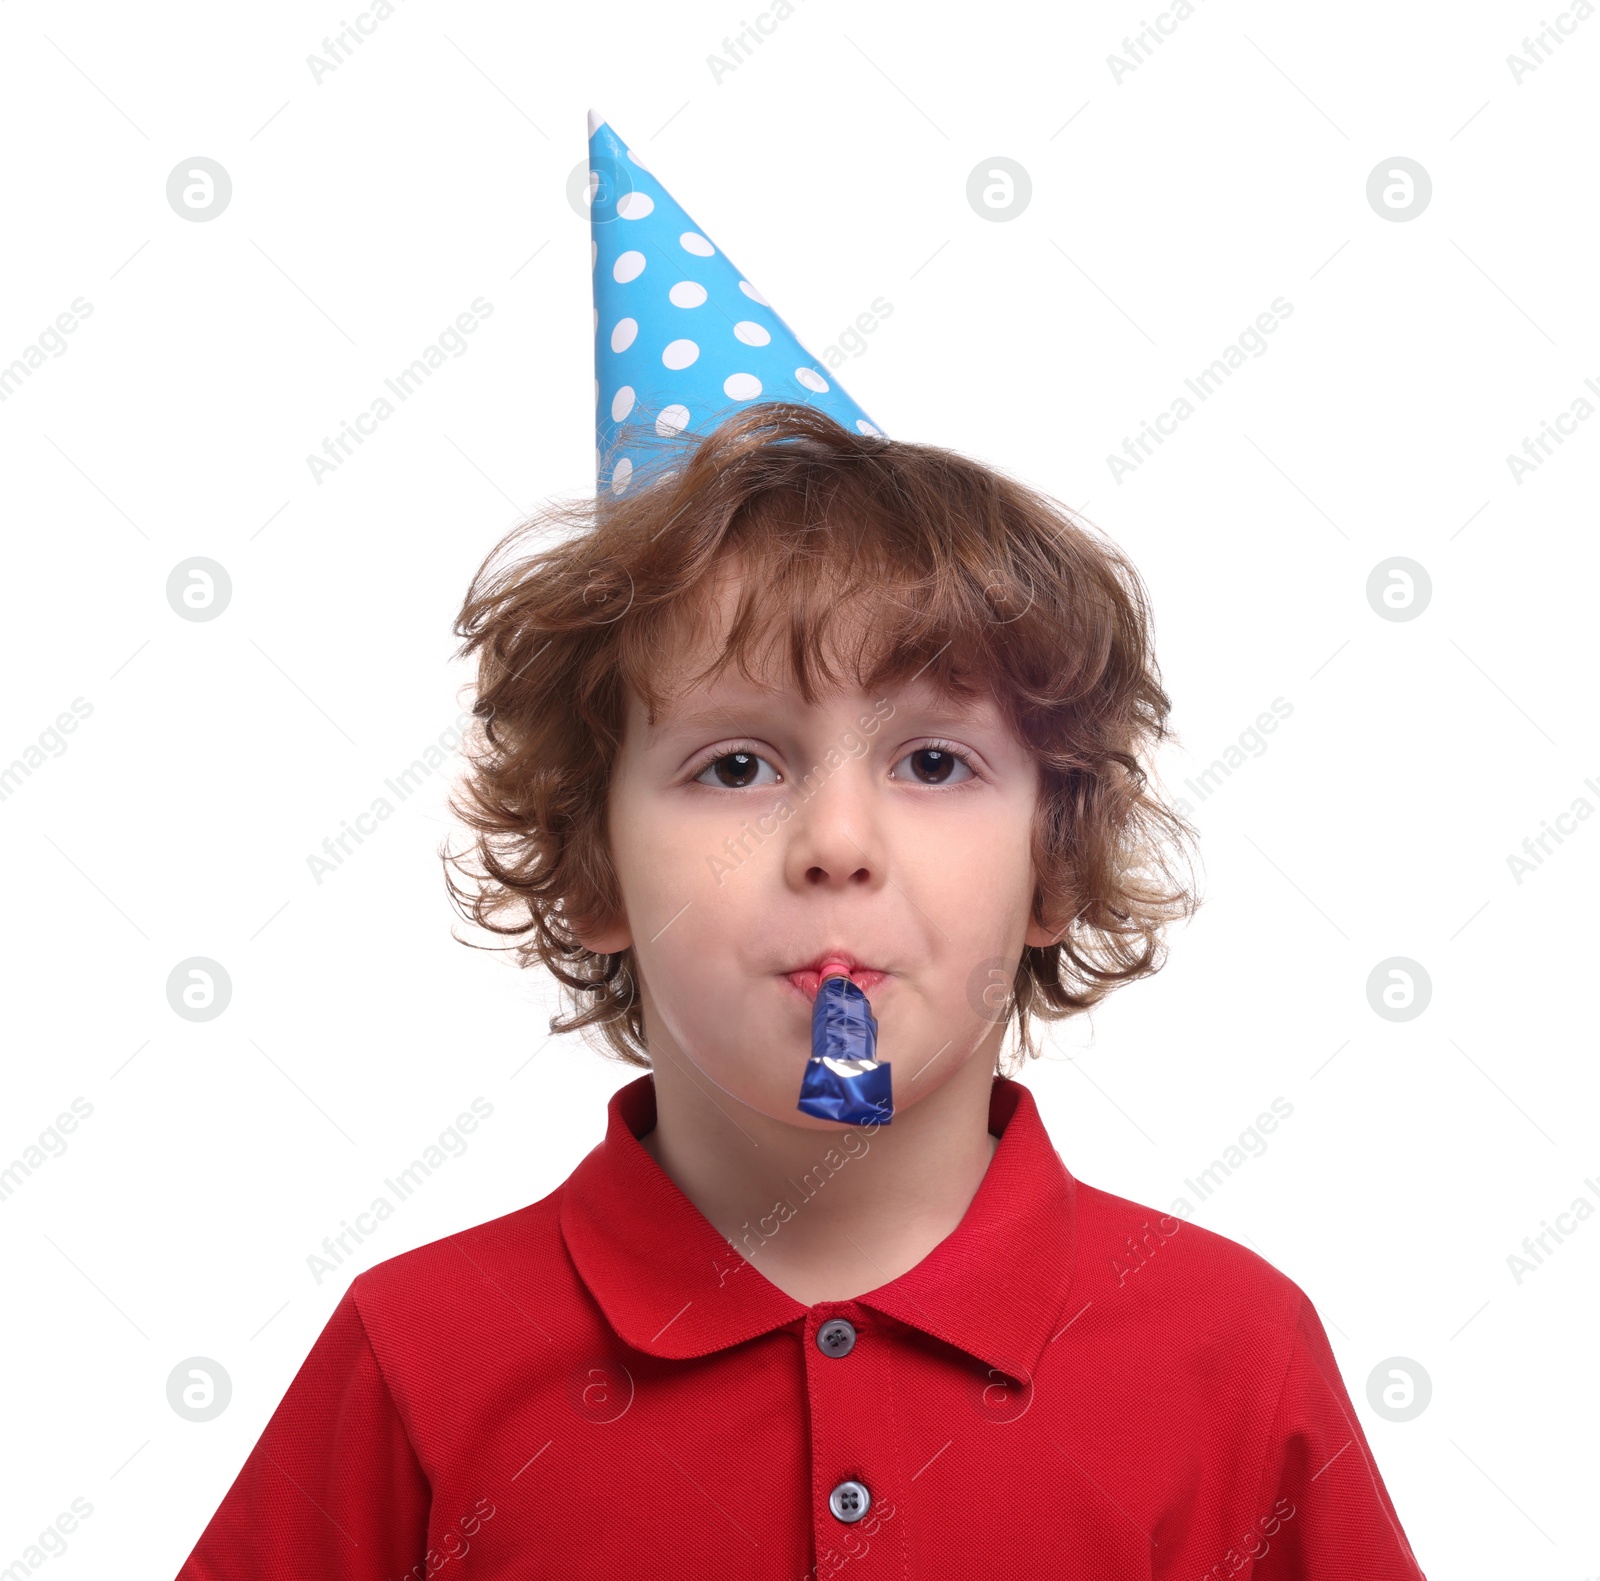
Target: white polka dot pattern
column 682, row 339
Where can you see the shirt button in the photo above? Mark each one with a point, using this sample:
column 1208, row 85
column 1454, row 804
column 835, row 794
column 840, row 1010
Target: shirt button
column 836, row 1337
column 850, row 1501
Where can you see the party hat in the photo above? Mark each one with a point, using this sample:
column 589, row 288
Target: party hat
column 682, row 339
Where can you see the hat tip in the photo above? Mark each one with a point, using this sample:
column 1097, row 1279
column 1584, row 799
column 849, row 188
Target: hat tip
column 596, row 121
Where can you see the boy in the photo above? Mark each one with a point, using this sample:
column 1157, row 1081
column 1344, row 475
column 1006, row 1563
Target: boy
column 807, row 699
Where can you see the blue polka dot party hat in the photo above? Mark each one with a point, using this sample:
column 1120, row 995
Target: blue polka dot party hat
column 682, row 339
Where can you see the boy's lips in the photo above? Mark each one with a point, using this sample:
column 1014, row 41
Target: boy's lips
column 808, row 979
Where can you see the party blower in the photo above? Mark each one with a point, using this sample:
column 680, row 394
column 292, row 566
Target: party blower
column 844, row 1079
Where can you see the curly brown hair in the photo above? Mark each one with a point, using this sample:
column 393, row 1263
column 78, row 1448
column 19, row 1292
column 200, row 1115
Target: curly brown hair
column 964, row 575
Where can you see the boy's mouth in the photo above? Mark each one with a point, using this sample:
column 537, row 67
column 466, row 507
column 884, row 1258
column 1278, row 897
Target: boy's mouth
column 808, row 979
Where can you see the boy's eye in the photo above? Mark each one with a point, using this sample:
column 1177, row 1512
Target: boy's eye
column 931, row 765
column 935, row 765
column 733, row 771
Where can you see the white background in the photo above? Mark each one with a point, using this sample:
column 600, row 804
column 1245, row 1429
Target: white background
column 1167, row 211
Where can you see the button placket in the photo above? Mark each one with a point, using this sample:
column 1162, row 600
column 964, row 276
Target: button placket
column 858, row 1503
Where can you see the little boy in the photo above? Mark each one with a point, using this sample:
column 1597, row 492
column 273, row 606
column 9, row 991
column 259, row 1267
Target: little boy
column 809, row 703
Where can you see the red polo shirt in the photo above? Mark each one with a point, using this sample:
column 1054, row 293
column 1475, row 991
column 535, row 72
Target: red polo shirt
column 598, row 1385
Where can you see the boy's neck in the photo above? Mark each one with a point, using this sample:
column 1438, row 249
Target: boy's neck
column 864, row 1205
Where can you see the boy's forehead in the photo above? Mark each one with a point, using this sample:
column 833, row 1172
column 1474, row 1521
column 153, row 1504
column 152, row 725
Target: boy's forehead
column 697, row 682
column 714, row 701
column 695, row 638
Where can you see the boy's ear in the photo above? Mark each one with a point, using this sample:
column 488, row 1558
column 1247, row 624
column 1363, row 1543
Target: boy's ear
column 1040, row 936
column 611, row 939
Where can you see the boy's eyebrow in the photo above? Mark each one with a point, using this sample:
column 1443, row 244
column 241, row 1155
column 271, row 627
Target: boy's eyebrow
column 932, row 705
column 692, row 719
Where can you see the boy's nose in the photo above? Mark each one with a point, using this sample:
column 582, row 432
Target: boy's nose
column 833, row 860
column 835, row 838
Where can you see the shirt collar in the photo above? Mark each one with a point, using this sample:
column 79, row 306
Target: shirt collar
column 671, row 1286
